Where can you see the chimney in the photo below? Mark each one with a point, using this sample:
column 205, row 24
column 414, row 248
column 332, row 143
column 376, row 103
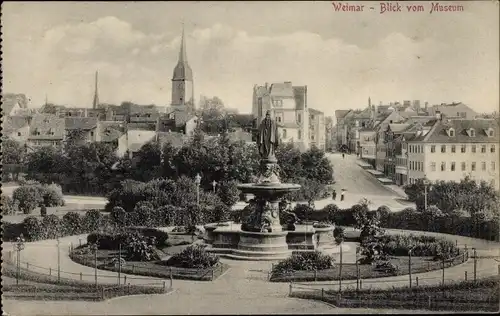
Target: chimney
column 426, row 105
column 85, row 113
column 438, row 115
column 305, row 97
column 267, row 85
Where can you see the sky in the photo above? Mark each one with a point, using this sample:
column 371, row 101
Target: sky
column 54, row 48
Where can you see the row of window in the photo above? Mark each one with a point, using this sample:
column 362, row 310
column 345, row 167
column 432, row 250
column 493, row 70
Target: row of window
column 463, row 148
column 478, row 181
column 418, row 149
column 463, row 166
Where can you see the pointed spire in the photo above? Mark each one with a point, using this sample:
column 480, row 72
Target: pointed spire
column 182, row 52
column 95, row 103
column 46, row 99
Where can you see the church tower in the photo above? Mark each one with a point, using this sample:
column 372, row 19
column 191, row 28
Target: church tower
column 95, row 102
column 182, row 82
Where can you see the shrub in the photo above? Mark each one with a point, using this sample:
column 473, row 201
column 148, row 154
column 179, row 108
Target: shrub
column 51, row 194
column 303, row 212
column 383, row 211
column 91, row 220
column 33, row 229
column 29, row 198
column 9, row 205
column 160, row 236
column 423, row 246
column 144, row 211
column 12, row 230
column 72, row 223
column 51, row 226
column 194, row 257
column 140, row 247
column 169, row 214
column 304, row 261
column 331, row 210
column 118, row 215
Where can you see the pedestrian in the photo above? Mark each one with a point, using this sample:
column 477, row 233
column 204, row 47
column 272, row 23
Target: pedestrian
column 342, row 195
column 334, row 195
column 343, row 155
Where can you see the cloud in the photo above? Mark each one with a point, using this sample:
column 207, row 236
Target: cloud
column 227, row 62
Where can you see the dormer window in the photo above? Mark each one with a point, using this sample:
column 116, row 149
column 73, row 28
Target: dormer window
column 490, row 132
column 472, row 132
column 451, row 132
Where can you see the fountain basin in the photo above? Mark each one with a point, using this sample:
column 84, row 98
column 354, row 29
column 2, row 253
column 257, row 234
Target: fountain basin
column 231, row 242
column 268, row 190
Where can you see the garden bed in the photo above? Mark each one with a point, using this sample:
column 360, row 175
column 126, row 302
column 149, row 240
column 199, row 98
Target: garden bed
column 419, row 265
column 482, row 295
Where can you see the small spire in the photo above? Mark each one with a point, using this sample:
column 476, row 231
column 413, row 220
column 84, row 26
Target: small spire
column 182, row 52
column 46, row 99
column 95, row 103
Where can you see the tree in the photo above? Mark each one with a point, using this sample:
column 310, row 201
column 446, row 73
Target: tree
column 29, row 198
column 315, row 165
column 290, row 160
column 118, row 215
column 75, row 137
column 13, row 154
column 149, row 162
column 92, row 220
column 9, row 205
column 52, row 226
column 72, row 223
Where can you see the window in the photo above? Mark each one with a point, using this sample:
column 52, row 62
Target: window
column 299, row 118
column 433, row 148
column 91, row 133
column 452, row 148
column 284, row 133
column 492, row 148
column 312, row 137
column 433, row 166
column 18, row 133
column 453, row 166
column 299, row 136
column 463, row 166
column 490, row 133
column 452, row 133
column 443, row 166
column 493, row 166
column 473, row 148
column 483, row 148
column 443, row 148
column 472, row 133
column 473, row 166
column 279, row 119
column 463, row 148
column 483, row 165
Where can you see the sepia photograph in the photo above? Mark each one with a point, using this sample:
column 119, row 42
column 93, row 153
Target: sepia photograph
column 250, row 157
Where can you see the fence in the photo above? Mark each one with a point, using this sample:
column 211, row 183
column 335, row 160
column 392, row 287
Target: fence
column 356, row 273
column 410, row 300
column 32, row 272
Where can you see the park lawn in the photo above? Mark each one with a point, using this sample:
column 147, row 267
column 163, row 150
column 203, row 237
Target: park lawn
column 419, row 265
column 177, row 243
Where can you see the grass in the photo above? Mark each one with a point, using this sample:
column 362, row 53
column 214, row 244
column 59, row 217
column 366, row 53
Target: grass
column 176, row 243
column 418, row 264
column 57, row 210
column 459, row 296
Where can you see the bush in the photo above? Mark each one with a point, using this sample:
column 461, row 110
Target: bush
column 383, row 211
column 12, row 230
column 304, row 261
column 51, row 226
column 423, row 246
column 144, row 213
column 118, row 215
column 9, row 206
column 33, row 229
column 51, row 194
column 29, row 198
column 92, row 220
column 193, row 257
column 303, row 212
column 140, row 247
column 160, row 236
column 72, row 223
column 228, row 192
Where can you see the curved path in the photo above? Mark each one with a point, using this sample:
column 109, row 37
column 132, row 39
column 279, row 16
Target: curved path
column 242, row 289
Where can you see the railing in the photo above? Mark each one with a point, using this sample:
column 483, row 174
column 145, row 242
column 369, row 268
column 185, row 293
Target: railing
column 437, row 300
column 333, row 274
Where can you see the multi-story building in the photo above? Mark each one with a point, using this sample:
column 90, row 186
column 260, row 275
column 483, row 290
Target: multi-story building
column 341, row 117
column 317, row 129
column 86, row 127
column 367, row 145
column 14, row 104
column 330, row 140
column 453, row 149
column 46, row 130
column 288, row 106
column 381, row 123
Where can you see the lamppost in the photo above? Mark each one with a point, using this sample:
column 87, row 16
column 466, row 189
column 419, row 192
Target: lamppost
column 197, row 180
column 18, row 246
column 94, row 247
column 214, row 184
column 58, row 260
column 426, row 184
column 409, row 263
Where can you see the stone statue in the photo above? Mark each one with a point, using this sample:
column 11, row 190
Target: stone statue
column 268, row 139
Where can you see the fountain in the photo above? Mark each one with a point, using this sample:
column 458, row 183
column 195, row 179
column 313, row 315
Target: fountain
column 261, row 235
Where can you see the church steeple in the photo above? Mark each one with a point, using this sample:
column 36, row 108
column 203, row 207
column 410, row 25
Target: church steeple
column 182, row 81
column 95, row 103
